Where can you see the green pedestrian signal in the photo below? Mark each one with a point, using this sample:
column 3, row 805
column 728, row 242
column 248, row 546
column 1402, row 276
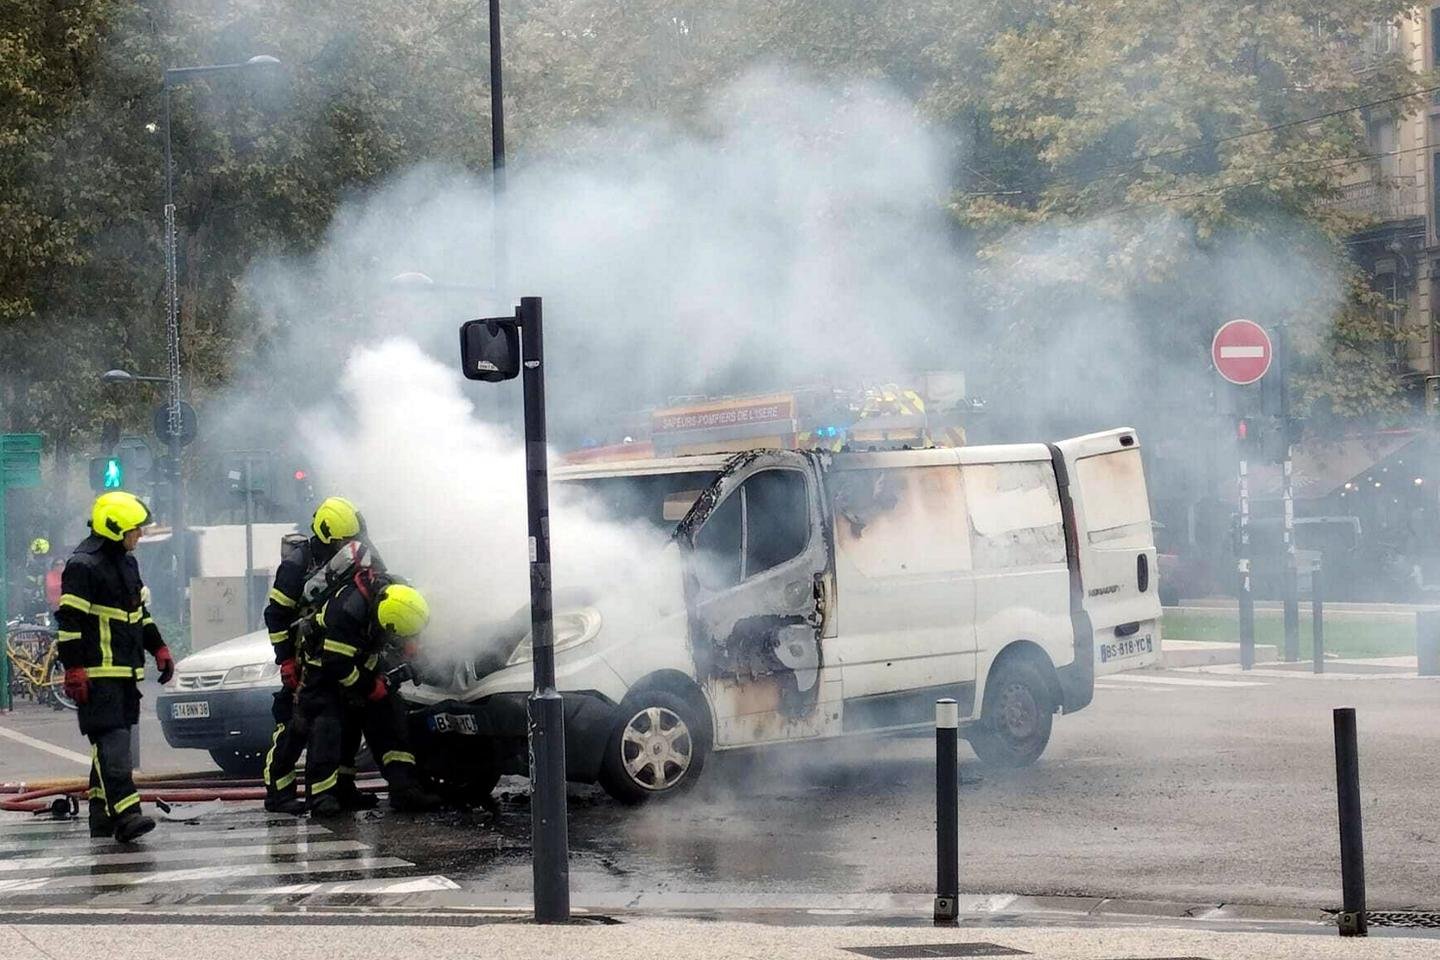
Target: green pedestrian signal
column 107, row 473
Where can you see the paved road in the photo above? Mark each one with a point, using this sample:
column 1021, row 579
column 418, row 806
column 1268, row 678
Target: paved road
column 1203, row 787
column 57, row 728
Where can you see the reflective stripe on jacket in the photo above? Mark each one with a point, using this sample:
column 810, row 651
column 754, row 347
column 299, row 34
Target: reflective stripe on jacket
column 104, row 624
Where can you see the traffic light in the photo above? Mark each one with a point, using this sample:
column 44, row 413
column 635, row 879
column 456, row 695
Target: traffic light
column 107, row 473
column 1247, row 436
column 304, row 489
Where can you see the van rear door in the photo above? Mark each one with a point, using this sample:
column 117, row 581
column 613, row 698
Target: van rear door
column 1115, row 546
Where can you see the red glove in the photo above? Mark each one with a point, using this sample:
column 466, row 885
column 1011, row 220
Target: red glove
column 380, row 691
column 290, row 674
column 165, row 664
column 77, row 685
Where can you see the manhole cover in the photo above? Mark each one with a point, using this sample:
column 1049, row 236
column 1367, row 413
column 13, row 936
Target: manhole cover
column 1425, row 919
column 901, row 951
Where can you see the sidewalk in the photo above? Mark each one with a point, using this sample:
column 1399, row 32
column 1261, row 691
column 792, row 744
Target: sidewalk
column 674, row 939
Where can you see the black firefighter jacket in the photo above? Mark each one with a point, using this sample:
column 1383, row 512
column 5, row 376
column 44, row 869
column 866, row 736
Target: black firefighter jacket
column 105, row 627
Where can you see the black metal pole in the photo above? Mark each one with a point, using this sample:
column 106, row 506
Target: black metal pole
column 497, row 153
column 947, row 812
column 1352, row 844
column 1290, row 579
column 549, row 840
column 497, row 101
column 1317, row 617
column 1246, row 595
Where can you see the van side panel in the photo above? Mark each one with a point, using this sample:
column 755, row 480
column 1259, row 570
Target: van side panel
column 906, row 592
column 1022, row 581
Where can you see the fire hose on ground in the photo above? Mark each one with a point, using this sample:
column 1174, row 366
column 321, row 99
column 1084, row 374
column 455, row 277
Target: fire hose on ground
column 56, row 796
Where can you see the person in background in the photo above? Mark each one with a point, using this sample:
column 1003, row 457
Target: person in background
column 37, row 564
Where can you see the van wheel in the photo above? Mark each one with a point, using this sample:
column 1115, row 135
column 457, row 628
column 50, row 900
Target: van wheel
column 657, row 750
column 1015, row 722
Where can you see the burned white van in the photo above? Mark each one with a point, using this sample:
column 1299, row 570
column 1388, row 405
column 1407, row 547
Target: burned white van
column 821, row 595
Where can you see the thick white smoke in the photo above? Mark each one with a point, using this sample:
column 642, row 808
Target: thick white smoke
column 443, row 493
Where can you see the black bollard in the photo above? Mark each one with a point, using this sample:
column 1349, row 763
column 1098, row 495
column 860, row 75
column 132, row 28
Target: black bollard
column 947, row 813
column 1247, row 617
column 1427, row 642
column 1352, row 844
column 1317, row 617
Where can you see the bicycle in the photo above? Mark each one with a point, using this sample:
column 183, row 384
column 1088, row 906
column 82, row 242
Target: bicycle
column 35, row 668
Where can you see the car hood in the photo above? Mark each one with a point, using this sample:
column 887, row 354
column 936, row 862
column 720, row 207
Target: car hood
column 251, row 648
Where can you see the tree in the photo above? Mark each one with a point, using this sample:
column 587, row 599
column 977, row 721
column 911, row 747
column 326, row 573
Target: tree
column 1159, row 144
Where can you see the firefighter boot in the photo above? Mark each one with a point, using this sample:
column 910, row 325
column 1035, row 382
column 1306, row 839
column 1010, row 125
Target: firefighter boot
column 284, row 801
column 132, row 825
column 100, row 824
column 326, row 805
column 352, row 797
column 406, row 795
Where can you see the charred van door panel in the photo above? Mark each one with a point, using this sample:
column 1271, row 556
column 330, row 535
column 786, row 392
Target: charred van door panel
column 757, row 581
column 906, row 586
column 1113, row 531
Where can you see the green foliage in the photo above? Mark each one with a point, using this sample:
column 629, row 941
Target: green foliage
column 1170, row 133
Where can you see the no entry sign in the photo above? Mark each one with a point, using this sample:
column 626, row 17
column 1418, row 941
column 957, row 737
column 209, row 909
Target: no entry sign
column 1241, row 351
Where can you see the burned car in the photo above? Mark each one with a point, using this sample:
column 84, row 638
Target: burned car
column 809, row 595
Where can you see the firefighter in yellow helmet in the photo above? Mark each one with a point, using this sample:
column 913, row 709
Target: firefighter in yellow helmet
column 333, row 555
column 365, row 629
column 105, row 630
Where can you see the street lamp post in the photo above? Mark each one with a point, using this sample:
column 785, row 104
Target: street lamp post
column 173, row 77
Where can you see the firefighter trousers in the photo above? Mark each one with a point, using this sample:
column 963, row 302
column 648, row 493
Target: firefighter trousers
column 287, row 741
column 112, row 776
column 335, row 720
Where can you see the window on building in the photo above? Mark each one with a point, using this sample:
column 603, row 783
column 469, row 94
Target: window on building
column 1386, row 283
column 1435, row 37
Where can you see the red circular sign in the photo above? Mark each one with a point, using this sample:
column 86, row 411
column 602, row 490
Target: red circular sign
column 1241, row 351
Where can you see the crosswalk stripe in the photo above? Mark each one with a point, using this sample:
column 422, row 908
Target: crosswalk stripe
column 46, row 747
column 428, row 884
column 160, row 839
column 122, row 856
column 1179, row 681
column 238, row 871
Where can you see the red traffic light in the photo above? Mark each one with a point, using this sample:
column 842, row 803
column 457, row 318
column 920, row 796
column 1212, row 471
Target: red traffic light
column 300, row 474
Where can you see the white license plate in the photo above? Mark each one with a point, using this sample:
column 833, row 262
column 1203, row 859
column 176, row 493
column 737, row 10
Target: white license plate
column 193, row 710
column 1126, row 647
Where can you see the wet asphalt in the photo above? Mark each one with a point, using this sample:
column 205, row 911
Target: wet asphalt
column 1177, row 786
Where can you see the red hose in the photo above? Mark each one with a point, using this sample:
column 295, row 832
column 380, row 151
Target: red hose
column 32, row 801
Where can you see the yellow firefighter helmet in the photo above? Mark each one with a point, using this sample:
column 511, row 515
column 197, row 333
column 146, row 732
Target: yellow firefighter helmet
column 402, row 610
column 117, row 513
column 336, row 519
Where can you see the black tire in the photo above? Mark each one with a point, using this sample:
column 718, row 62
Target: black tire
column 1019, row 711
column 240, row 763
column 640, row 765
